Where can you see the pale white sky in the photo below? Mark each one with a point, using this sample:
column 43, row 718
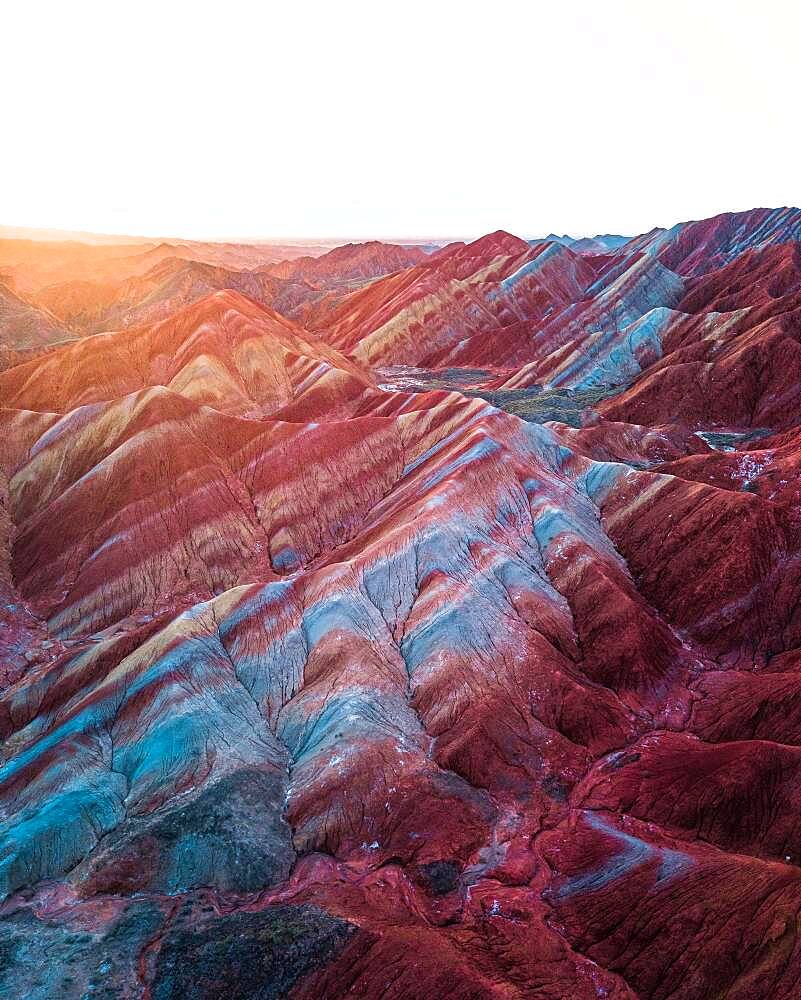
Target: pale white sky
column 404, row 118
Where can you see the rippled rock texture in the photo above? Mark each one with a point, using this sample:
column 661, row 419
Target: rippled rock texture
column 405, row 625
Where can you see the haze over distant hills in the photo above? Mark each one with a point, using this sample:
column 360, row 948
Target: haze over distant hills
column 399, row 621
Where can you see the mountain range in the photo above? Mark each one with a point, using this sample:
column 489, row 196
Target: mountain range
column 402, row 621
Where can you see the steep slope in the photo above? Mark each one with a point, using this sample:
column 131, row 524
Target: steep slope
column 707, row 312
column 544, row 315
column 464, row 307
column 699, row 247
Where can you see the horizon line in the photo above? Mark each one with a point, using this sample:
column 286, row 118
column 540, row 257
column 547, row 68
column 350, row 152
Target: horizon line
column 58, row 235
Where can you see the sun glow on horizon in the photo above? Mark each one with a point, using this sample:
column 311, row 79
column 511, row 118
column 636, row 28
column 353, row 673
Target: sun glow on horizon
column 356, row 120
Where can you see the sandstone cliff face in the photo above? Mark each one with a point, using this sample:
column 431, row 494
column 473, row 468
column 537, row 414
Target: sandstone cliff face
column 445, row 645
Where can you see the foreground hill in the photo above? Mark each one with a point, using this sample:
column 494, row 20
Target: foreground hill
column 325, row 674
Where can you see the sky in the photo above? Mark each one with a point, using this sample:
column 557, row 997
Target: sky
column 432, row 119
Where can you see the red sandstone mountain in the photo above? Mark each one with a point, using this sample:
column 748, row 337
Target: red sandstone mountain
column 327, row 674
column 349, row 262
